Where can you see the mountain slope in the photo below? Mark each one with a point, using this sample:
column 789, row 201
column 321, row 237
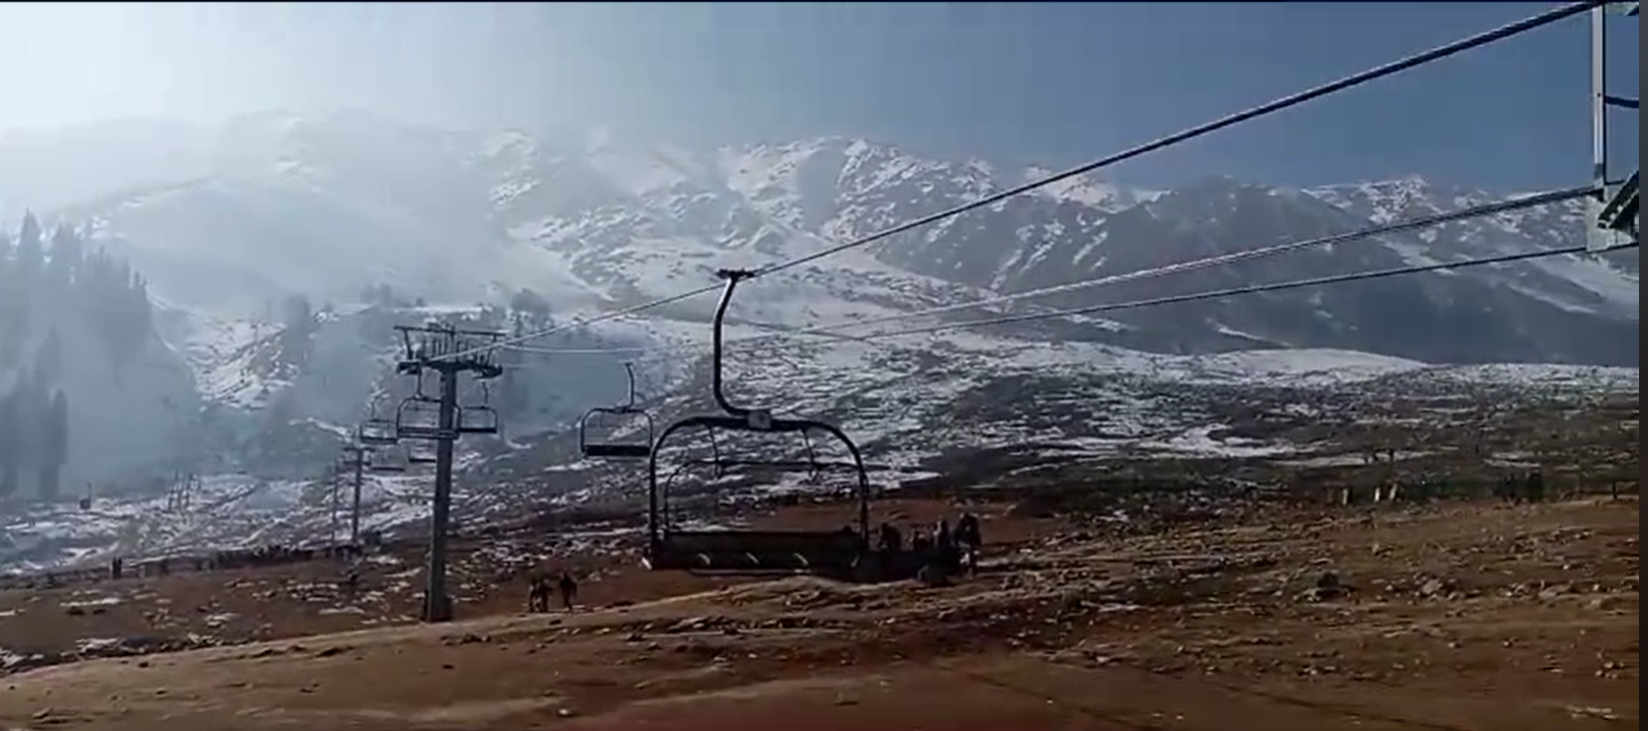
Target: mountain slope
column 88, row 393
column 460, row 217
column 339, row 210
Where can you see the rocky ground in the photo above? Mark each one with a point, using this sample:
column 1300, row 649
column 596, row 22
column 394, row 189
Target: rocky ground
column 1453, row 615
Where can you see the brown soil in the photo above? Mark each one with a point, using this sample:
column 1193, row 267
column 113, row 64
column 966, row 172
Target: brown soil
column 1457, row 616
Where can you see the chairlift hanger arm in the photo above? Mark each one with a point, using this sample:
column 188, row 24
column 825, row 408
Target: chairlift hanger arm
column 629, row 371
column 733, row 277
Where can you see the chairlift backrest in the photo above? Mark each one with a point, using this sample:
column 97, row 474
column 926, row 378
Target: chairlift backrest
column 617, row 450
column 376, row 431
column 388, row 460
column 477, row 420
column 418, row 417
column 416, row 454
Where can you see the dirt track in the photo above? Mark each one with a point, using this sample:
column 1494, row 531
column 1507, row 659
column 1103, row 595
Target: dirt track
column 1456, row 617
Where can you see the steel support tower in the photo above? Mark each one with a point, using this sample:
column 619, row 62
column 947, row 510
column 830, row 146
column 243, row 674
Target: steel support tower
column 354, row 459
column 1615, row 213
column 449, row 352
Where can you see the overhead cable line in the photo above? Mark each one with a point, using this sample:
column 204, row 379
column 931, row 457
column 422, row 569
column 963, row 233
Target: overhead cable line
column 1252, row 289
column 1233, row 291
column 1532, row 201
column 1378, row 72
column 1481, row 211
column 1292, row 100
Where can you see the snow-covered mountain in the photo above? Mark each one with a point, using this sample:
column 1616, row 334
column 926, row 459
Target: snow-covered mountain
column 325, row 207
column 229, row 222
column 910, row 409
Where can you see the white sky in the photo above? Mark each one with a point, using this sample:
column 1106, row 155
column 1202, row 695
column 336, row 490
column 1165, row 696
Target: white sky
column 69, row 63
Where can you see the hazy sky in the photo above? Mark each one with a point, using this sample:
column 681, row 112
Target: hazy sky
column 1053, row 83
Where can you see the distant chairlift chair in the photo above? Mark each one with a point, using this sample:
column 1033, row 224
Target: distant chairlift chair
column 388, row 460
column 418, row 416
column 616, row 450
column 480, row 418
column 419, row 453
column 838, row 552
column 375, row 431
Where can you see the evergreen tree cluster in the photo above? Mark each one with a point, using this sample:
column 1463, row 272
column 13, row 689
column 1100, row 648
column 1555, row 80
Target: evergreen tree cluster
column 46, row 286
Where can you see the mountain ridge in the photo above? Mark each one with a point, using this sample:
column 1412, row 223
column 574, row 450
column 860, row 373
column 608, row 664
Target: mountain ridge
column 274, row 207
column 590, row 203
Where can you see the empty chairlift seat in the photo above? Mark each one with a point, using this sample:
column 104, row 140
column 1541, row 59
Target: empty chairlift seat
column 613, row 449
column 376, row 432
column 754, row 551
column 835, row 551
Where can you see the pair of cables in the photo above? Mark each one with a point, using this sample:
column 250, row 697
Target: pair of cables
column 1474, row 212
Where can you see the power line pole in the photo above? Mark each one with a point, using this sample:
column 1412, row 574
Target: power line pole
column 335, row 478
column 448, row 352
column 1616, row 212
column 355, row 459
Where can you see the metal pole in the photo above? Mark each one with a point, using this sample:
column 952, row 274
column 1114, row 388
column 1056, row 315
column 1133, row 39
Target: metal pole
column 336, row 478
column 354, row 507
column 1599, row 97
column 437, row 605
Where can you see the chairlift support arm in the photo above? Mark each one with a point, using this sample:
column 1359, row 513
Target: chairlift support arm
column 733, row 277
column 1615, row 214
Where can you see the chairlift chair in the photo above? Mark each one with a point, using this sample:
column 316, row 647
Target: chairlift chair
column 421, row 454
column 376, row 432
column 418, row 416
column 392, row 460
column 480, row 418
column 613, row 449
column 835, row 552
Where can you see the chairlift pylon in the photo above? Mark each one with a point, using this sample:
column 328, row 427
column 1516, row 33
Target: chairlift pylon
column 747, row 551
column 617, row 450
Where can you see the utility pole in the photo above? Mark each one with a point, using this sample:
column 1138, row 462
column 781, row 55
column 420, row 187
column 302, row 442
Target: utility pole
column 336, row 479
column 1616, row 212
column 449, row 352
column 355, row 459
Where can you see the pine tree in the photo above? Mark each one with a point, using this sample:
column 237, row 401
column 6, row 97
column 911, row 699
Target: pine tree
column 30, row 256
column 15, row 281
column 298, row 321
column 136, row 314
column 142, row 309
column 66, row 256
column 56, row 451
column 513, row 400
column 11, row 336
column 48, row 360
column 30, row 404
column 10, row 443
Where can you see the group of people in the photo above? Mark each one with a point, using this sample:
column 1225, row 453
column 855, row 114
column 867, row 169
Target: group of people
column 247, row 558
column 538, row 591
column 937, row 546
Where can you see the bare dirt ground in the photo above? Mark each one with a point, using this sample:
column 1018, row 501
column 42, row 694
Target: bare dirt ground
column 1465, row 615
